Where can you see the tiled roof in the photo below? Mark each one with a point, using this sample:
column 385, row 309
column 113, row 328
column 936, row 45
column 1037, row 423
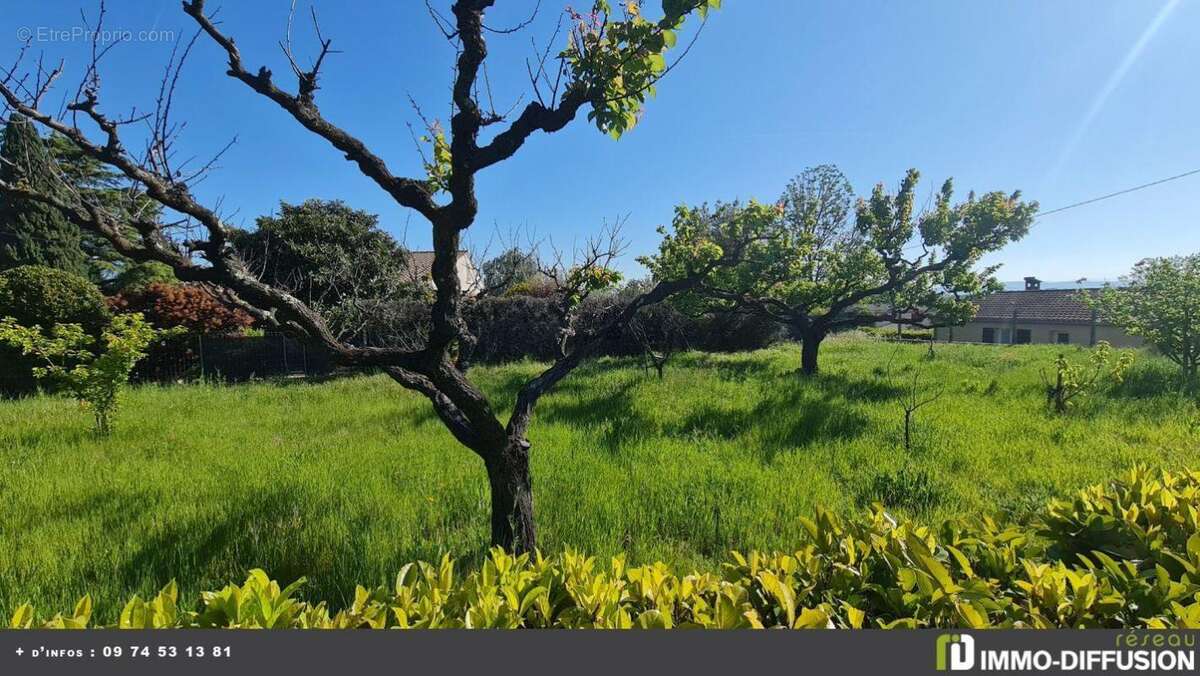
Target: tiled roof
column 1050, row 305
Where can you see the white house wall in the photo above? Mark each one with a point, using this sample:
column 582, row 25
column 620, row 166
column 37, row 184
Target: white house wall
column 1041, row 333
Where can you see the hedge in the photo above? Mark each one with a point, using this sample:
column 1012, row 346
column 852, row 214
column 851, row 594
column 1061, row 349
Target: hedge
column 1125, row 554
column 36, row 295
column 507, row 328
column 518, row 327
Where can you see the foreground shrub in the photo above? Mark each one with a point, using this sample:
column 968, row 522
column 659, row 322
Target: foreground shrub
column 40, row 296
column 1122, row 555
column 68, row 355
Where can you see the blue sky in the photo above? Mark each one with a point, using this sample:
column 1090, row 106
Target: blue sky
column 1065, row 100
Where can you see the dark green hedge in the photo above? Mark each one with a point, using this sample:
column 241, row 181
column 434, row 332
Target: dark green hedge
column 40, row 296
column 517, row 327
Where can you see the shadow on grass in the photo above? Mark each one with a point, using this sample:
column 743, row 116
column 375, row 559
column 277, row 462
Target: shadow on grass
column 608, row 412
column 220, row 547
column 795, row 412
column 801, row 411
column 734, row 368
column 1153, row 379
column 110, row 506
column 196, row 545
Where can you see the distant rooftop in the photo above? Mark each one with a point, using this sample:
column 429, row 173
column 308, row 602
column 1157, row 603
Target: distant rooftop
column 1048, row 305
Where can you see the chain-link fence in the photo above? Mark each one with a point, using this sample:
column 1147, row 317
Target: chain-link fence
column 231, row 358
column 192, row 357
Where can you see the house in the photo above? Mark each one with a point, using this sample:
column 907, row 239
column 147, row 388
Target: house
column 421, row 264
column 1037, row 315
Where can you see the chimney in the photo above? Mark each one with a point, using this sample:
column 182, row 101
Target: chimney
column 1033, row 284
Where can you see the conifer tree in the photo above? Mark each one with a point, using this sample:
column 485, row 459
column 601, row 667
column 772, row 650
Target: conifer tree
column 31, row 232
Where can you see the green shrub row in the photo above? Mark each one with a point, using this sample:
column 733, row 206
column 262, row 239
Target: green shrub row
column 511, row 328
column 910, row 333
column 1120, row 555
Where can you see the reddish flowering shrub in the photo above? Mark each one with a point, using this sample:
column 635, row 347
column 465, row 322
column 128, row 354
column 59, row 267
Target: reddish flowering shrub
column 192, row 307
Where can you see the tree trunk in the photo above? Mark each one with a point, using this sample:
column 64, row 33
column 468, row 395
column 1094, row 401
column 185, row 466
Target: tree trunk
column 810, row 346
column 512, row 499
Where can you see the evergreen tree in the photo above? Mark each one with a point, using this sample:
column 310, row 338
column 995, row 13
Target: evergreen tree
column 337, row 259
column 32, row 233
column 97, row 183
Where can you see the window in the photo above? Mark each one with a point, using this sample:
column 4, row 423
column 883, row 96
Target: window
column 1024, row 337
column 1006, row 336
column 1062, row 338
column 989, row 334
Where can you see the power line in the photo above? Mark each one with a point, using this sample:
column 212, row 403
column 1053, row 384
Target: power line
column 1121, row 192
column 1093, row 200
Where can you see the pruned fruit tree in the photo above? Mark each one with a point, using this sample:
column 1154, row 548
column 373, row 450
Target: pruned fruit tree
column 610, row 62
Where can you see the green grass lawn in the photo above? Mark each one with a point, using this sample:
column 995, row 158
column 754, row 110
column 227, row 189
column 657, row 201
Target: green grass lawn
column 344, row 481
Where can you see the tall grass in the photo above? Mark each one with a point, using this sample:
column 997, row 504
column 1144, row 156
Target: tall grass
column 344, row 481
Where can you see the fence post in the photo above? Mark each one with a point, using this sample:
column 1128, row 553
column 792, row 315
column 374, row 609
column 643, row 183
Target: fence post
column 200, row 349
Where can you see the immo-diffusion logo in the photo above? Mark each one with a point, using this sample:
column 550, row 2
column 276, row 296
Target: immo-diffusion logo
column 1157, row 651
column 955, row 650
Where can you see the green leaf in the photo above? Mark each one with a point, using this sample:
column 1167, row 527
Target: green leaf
column 812, row 618
column 963, row 564
column 854, row 616
column 133, row 614
column 23, row 618
column 83, row 609
column 931, row 565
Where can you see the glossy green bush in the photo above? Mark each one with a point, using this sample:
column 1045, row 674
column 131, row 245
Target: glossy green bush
column 35, row 295
column 1120, row 555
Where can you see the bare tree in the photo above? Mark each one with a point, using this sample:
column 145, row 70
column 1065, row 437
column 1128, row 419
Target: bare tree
column 915, row 397
column 589, row 271
column 611, row 64
column 660, row 333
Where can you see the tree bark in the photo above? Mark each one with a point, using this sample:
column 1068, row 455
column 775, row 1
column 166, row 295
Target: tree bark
column 810, row 346
column 512, row 498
